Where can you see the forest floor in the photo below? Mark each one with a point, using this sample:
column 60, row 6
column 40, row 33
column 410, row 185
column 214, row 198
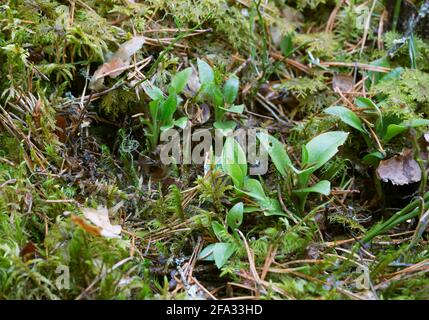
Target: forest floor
column 93, row 205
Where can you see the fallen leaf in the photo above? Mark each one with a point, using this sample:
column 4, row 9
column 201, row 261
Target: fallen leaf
column 60, row 130
column 100, row 218
column 28, row 252
column 400, row 169
column 86, row 226
column 117, row 63
column 342, row 82
column 193, row 85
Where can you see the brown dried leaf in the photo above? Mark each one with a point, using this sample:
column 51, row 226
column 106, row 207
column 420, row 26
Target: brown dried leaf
column 342, row 82
column 100, row 218
column 400, row 169
column 28, row 252
column 118, row 62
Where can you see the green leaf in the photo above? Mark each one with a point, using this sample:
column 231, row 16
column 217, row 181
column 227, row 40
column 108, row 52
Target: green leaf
column 362, row 102
column 207, row 253
column 154, row 93
column 277, row 153
column 180, row 80
column 347, row 116
column 220, row 231
column 286, row 45
column 230, row 89
column 234, row 161
column 254, row 189
column 205, row 72
column 375, row 76
column 322, row 148
column 222, row 251
column 235, row 109
column 395, row 129
column 218, row 252
column 226, row 127
column 322, row 187
column 168, row 108
column 392, row 75
column 270, row 207
column 234, row 217
column 181, row 122
column 373, row 158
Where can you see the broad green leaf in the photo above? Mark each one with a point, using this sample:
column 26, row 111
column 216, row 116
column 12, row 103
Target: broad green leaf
column 322, row 148
column 225, row 125
column 323, row 187
column 286, row 45
column 254, row 189
column 230, row 89
column 235, row 216
column 374, row 76
column 153, row 92
column 277, row 152
column 207, row 253
column 235, row 109
column 234, row 161
column 417, row 123
column 154, row 106
column 392, row 131
column 395, row 129
column 347, row 116
column 218, row 252
column 214, row 93
column 181, row 122
column 168, row 125
column 392, row 75
column 205, row 72
column 180, row 80
column 362, row 102
column 168, row 108
column 373, row 158
column 222, row 251
column 220, row 231
column 270, row 207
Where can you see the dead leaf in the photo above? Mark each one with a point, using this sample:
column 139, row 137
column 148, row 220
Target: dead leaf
column 193, row 85
column 100, row 218
column 28, row 252
column 86, row 226
column 342, row 82
column 400, row 169
column 117, row 63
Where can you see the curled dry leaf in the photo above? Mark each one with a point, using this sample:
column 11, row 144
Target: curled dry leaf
column 193, row 85
column 117, row 63
column 342, row 82
column 400, row 169
column 100, row 218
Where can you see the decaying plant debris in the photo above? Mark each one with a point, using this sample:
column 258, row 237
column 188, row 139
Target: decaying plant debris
column 88, row 87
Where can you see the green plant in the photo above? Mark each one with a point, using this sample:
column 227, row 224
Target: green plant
column 162, row 109
column 385, row 128
column 222, row 98
column 315, row 154
column 234, row 163
column 228, row 244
